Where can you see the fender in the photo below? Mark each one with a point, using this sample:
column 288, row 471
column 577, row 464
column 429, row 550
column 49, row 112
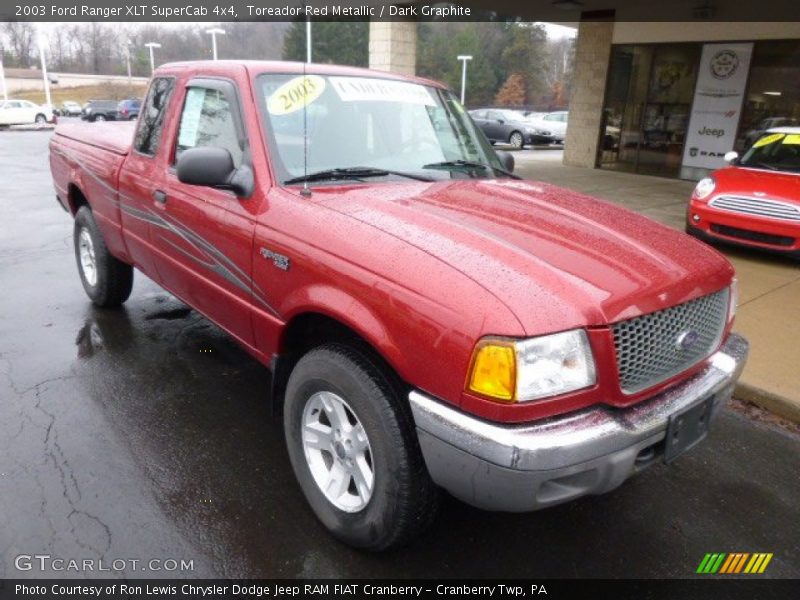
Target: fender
column 340, row 306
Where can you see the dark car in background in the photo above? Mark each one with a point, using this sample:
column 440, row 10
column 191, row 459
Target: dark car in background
column 128, row 110
column 502, row 125
column 99, row 110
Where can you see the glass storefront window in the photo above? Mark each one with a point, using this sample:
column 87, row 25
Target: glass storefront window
column 773, row 91
column 648, row 101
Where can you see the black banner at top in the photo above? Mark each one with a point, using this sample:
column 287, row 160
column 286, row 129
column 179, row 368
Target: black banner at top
column 180, row 11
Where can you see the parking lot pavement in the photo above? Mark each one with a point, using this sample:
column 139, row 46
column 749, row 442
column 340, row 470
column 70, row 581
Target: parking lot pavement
column 769, row 285
column 143, row 433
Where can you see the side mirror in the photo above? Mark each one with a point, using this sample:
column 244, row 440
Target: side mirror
column 507, row 160
column 731, row 157
column 212, row 166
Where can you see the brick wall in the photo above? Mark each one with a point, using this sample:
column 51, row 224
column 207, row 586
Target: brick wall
column 588, row 88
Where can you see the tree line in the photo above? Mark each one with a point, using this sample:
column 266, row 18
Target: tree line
column 514, row 63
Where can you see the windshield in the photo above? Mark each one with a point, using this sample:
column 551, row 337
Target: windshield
column 399, row 127
column 774, row 151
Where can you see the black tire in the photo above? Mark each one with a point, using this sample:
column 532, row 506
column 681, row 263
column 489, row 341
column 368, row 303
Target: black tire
column 404, row 500
column 517, row 140
column 114, row 278
column 99, row 118
column 40, row 119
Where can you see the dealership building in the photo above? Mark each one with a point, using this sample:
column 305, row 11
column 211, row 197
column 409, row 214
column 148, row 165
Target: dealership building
column 660, row 97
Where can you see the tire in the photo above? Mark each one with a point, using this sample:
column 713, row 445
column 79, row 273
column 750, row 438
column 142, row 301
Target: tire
column 99, row 118
column 402, row 500
column 107, row 281
column 516, row 140
column 40, row 119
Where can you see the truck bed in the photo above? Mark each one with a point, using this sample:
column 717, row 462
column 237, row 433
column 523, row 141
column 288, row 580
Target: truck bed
column 115, row 137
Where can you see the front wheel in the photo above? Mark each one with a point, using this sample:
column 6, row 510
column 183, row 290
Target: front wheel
column 516, row 140
column 354, row 451
column 40, row 119
column 99, row 118
column 106, row 280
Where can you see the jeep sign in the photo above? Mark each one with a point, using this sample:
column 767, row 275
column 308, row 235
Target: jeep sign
column 716, row 108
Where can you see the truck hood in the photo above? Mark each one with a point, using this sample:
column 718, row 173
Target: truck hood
column 556, row 258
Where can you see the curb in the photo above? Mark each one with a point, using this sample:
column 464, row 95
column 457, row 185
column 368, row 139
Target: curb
column 774, row 403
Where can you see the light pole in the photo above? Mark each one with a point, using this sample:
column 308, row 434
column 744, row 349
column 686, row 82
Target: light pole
column 308, row 39
column 213, row 33
column 128, row 64
column 463, row 58
column 42, row 45
column 152, row 45
column 3, row 78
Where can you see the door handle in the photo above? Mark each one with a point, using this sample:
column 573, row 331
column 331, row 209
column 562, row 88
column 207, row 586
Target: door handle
column 160, row 197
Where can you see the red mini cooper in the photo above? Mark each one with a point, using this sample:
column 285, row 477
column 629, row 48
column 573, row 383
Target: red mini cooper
column 756, row 200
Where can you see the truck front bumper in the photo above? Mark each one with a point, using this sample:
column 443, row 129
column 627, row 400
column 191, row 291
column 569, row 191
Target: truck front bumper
column 526, row 467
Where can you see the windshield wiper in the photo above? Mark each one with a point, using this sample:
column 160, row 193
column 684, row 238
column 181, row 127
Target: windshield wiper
column 352, row 173
column 468, row 165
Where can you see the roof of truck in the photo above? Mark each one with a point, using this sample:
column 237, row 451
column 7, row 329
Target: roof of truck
column 280, row 66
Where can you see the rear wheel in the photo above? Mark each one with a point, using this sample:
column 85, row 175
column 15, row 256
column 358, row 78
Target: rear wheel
column 354, row 450
column 516, row 140
column 106, row 280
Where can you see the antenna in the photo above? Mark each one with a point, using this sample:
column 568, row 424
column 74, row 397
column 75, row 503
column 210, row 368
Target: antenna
column 305, row 191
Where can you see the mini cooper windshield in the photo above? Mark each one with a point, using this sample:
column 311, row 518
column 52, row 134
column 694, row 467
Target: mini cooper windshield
column 775, row 152
column 330, row 128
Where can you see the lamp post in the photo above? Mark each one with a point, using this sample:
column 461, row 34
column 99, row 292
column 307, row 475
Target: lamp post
column 463, row 58
column 3, row 78
column 308, row 39
column 42, row 41
column 128, row 64
column 214, row 33
column 151, row 46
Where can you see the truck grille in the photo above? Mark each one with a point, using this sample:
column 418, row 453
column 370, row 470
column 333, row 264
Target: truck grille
column 652, row 348
column 758, row 206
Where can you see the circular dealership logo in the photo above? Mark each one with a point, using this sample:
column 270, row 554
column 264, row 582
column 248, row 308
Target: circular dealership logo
column 724, row 64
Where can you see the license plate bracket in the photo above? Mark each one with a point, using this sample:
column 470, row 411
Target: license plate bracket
column 687, row 428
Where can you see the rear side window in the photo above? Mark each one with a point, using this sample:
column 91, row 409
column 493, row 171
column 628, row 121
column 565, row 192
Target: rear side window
column 207, row 120
column 148, row 133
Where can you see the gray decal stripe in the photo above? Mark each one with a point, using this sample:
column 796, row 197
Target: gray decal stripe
column 221, row 265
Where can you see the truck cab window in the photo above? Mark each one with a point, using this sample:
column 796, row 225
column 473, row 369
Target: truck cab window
column 148, row 132
column 207, row 120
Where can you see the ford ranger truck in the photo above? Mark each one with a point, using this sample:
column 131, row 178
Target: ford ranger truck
column 431, row 320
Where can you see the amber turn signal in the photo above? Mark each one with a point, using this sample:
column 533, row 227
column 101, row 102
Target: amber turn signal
column 493, row 370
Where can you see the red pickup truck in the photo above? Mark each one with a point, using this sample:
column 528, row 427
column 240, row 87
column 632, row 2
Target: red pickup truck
column 430, row 319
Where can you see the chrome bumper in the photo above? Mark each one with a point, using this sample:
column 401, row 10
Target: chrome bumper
column 531, row 466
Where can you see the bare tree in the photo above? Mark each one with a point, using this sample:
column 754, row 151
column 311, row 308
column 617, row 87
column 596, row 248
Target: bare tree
column 20, row 40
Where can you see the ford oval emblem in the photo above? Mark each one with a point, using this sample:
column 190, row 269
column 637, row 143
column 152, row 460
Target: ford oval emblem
column 687, row 339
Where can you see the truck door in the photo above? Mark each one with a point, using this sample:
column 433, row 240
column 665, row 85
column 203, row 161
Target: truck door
column 205, row 237
column 135, row 179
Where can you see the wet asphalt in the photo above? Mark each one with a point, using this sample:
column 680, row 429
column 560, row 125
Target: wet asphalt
column 144, row 433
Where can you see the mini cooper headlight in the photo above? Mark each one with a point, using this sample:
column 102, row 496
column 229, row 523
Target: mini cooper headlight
column 525, row 370
column 704, row 188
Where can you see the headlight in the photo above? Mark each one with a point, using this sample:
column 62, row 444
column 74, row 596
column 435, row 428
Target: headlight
column 524, row 370
column 704, row 188
column 733, row 300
